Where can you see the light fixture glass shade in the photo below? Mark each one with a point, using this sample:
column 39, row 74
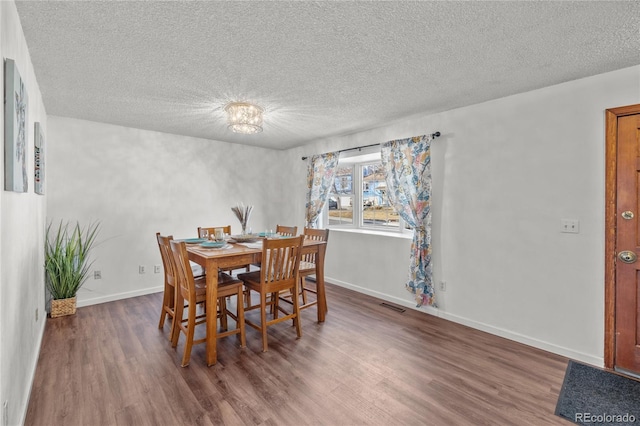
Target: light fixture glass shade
column 244, row 117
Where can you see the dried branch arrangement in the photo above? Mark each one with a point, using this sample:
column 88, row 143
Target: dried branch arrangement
column 243, row 213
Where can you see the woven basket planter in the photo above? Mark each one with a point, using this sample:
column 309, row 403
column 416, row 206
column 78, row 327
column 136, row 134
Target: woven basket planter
column 62, row 307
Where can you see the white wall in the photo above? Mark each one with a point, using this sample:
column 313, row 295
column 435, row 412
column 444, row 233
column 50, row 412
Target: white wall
column 21, row 245
column 138, row 182
column 504, row 174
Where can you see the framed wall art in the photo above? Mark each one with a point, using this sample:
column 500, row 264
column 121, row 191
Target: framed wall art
column 15, row 130
column 38, row 159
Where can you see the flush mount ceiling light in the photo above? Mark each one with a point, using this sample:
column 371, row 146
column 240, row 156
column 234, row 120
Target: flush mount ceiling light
column 244, row 117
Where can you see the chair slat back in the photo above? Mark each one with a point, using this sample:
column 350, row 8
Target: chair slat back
column 315, row 235
column 280, row 259
column 184, row 274
column 167, row 259
column 287, row 231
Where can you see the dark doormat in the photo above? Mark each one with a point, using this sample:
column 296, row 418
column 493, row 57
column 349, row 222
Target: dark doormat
column 591, row 396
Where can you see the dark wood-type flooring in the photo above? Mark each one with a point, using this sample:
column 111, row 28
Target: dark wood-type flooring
column 366, row 365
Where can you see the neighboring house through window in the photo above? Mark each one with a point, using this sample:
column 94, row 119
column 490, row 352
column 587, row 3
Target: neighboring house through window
column 358, row 196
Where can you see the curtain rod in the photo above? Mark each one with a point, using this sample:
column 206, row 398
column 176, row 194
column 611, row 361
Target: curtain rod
column 433, row 135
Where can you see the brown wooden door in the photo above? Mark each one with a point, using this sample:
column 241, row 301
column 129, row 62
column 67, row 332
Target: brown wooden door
column 627, row 266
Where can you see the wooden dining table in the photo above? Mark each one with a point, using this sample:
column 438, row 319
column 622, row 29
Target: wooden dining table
column 237, row 256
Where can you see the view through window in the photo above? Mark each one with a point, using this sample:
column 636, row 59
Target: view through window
column 358, row 197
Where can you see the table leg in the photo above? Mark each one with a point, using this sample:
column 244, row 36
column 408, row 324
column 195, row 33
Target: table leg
column 212, row 310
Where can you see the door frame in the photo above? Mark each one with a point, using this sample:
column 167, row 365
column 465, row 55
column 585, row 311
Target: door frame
column 611, row 170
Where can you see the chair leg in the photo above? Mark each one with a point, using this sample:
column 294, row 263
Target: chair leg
column 296, row 309
column 167, row 302
column 177, row 320
column 302, row 291
column 222, row 302
column 190, row 332
column 263, row 320
column 163, row 312
column 272, row 305
column 240, row 316
column 275, row 297
column 247, row 297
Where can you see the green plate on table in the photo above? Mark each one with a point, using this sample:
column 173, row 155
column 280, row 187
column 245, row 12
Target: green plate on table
column 213, row 244
column 194, row 240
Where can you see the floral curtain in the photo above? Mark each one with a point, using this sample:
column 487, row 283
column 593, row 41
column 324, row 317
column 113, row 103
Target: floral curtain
column 320, row 174
column 407, row 165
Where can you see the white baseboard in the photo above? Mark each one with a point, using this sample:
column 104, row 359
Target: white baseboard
column 82, row 301
column 384, row 296
column 507, row 334
column 527, row 340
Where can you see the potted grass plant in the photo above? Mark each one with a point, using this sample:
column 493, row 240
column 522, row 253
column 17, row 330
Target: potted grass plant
column 66, row 253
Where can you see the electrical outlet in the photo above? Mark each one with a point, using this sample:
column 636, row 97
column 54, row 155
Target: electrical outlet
column 156, row 269
column 571, row 226
column 443, row 286
column 97, row 275
column 141, row 269
column 36, row 314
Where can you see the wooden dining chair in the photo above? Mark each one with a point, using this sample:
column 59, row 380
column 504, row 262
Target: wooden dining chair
column 286, row 231
column 170, row 279
column 278, row 271
column 307, row 268
column 281, row 231
column 194, row 292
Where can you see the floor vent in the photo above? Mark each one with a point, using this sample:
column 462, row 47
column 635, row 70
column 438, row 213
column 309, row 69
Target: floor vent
column 392, row 307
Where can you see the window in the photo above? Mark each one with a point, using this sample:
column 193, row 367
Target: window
column 341, row 197
column 358, row 197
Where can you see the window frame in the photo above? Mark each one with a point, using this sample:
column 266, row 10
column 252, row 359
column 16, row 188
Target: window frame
column 357, row 197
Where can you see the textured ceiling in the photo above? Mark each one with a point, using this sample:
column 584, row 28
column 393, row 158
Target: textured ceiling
column 318, row 68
